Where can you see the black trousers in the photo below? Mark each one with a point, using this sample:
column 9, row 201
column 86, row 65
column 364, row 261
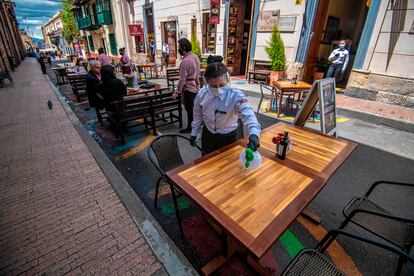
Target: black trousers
column 214, row 141
column 334, row 70
column 189, row 106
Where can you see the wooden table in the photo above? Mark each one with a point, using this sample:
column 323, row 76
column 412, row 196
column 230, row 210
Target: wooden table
column 255, row 208
column 148, row 68
column 136, row 91
column 289, row 88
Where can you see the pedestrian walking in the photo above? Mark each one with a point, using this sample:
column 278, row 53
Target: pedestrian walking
column 165, row 53
column 103, row 58
column 218, row 106
column 49, row 59
column 189, row 82
column 339, row 60
column 125, row 62
column 42, row 63
column 152, row 50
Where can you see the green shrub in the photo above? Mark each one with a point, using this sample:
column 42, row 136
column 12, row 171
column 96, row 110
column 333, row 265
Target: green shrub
column 196, row 46
column 276, row 51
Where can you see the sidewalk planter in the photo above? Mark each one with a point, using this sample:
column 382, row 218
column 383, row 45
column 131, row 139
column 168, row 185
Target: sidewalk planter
column 276, row 53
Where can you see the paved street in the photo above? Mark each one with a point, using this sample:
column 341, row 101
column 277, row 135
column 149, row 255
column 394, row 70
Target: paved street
column 58, row 212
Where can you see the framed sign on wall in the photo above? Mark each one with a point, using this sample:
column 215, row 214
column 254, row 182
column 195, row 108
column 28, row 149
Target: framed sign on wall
column 267, row 21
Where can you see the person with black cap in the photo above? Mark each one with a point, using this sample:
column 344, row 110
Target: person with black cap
column 218, row 106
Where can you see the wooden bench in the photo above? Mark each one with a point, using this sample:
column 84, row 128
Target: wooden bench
column 78, row 83
column 129, row 110
column 150, row 109
column 173, row 75
column 260, row 68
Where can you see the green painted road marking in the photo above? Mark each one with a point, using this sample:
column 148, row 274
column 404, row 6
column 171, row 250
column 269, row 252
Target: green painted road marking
column 291, row 244
column 168, row 208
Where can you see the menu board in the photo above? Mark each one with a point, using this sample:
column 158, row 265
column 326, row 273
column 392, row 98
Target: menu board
column 327, row 109
column 324, row 92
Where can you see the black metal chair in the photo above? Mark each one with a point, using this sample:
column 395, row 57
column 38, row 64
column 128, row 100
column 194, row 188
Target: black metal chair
column 371, row 216
column 310, row 262
column 272, row 97
column 167, row 157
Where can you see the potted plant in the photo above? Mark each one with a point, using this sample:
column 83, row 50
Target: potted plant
column 196, row 46
column 276, row 53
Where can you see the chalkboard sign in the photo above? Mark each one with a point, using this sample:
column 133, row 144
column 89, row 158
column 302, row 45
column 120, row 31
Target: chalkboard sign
column 322, row 91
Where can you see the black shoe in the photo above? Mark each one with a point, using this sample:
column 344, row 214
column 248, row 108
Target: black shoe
column 186, row 130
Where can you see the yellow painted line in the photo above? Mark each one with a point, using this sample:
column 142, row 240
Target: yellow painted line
column 342, row 120
column 337, row 253
column 135, row 150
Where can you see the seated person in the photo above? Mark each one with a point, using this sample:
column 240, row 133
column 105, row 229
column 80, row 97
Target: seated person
column 79, row 68
column 110, row 89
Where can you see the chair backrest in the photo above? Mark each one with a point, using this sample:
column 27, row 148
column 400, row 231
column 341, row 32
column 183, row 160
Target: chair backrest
column 165, row 149
column 172, row 72
column 132, row 108
column 164, row 100
column 77, row 80
column 265, row 86
column 262, row 65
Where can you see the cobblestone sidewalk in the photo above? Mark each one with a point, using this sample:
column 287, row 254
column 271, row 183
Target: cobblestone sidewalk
column 58, row 212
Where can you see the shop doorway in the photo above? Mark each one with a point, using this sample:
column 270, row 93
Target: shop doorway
column 334, row 20
column 150, row 45
column 209, row 35
column 238, row 36
column 169, row 36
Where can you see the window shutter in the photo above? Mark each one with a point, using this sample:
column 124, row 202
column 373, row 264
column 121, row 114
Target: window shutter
column 112, row 43
column 90, row 40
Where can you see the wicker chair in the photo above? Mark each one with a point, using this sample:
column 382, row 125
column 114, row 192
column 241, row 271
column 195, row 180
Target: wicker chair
column 272, row 97
column 310, row 262
column 371, row 216
column 167, row 157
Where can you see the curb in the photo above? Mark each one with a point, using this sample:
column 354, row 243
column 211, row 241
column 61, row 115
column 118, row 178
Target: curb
column 377, row 119
column 363, row 116
column 172, row 259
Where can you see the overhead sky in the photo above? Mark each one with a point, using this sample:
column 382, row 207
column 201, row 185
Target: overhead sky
column 33, row 14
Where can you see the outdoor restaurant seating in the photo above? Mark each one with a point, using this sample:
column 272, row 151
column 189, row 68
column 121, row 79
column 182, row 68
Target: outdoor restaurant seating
column 266, row 96
column 370, row 215
column 262, row 69
column 6, row 76
column 172, row 77
column 78, row 83
column 150, row 108
column 310, row 262
column 165, row 155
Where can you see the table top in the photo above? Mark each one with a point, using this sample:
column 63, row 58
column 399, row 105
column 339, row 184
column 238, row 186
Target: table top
column 135, row 91
column 287, row 85
column 256, row 207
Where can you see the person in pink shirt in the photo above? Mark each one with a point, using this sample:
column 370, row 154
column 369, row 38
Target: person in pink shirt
column 103, row 58
column 125, row 62
column 189, row 82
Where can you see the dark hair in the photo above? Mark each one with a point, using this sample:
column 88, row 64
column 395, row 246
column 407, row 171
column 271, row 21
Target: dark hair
column 185, row 45
column 79, row 61
column 212, row 59
column 107, row 72
column 101, row 50
column 214, row 70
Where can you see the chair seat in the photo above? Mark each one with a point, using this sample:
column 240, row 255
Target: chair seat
column 310, row 262
column 397, row 232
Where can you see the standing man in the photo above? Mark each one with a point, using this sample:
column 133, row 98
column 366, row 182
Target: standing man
column 218, row 106
column 102, row 57
column 165, row 53
column 93, row 78
column 339, row 60
column 125, row 62
column 189, row 82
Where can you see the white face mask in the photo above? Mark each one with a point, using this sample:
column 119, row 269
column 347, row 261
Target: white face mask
column 217, row 91
column 341, row 46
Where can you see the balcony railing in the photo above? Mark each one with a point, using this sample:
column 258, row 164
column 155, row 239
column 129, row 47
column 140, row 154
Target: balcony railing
column 85, row 23
column 104, row 18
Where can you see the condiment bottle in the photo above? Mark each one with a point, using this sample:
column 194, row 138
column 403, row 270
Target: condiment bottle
column 281, row 152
